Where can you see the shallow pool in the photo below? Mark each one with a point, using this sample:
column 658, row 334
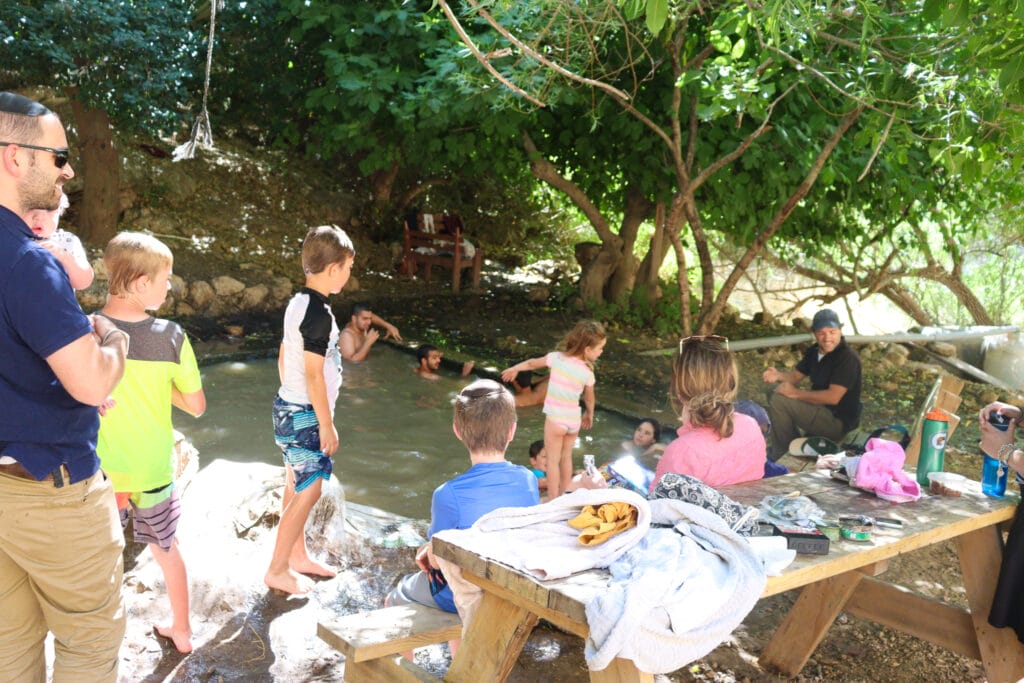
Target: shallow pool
column 397, row 443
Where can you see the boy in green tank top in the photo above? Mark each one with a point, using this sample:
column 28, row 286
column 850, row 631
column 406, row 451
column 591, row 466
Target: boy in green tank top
column 136, row 437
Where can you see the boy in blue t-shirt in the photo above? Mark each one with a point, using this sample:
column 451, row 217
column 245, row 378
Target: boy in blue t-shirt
column 309, row 363
column 485, row 421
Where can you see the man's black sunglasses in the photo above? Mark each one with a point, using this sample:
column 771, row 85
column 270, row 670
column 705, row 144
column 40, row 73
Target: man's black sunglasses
column 60, row 156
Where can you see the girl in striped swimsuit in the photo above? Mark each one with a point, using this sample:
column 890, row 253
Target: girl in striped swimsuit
column 572, row 374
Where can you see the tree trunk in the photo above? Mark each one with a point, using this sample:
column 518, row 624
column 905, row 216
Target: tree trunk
column 645, row 284
column 100, row 169
column 637, row 208
column 967, row 299
column 593, row 280
column 906, row 303
column 382, row 182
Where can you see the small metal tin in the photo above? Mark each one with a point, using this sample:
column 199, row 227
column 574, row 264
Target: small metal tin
column 856, row 533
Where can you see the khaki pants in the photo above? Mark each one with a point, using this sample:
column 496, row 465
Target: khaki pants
column 791, row 417
column 60, row 571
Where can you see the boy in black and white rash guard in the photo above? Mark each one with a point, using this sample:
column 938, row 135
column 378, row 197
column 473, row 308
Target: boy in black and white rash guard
column 309, row 363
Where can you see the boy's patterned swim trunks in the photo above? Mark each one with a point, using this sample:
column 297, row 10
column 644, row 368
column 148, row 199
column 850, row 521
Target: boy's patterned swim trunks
column 155, row 515
column 297, row 432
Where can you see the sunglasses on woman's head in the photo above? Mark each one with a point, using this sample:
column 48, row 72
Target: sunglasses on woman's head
column 60, row 156
column 703, row 338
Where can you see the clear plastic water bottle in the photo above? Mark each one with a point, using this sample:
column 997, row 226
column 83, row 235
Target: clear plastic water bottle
column 994, row 473
column 589, row 465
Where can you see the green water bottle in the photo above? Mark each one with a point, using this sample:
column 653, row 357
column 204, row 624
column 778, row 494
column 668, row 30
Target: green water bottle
column 933, row 444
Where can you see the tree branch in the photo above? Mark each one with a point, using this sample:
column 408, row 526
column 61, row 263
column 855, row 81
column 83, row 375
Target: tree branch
column 454, row 21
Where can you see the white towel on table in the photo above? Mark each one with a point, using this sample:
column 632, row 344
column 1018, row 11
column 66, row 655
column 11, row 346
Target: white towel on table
column 537, row 539
column 677, row 594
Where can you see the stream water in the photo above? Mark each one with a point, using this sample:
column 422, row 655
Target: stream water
column 397, row 443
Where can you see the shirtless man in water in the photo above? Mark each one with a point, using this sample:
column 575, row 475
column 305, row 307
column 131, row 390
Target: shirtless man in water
column 429, row 359
column 359, row 336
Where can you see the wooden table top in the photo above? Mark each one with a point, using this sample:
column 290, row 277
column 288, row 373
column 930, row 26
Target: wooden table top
column 927, row 521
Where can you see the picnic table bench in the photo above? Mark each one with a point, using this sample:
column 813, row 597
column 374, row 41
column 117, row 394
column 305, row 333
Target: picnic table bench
column 372, row 640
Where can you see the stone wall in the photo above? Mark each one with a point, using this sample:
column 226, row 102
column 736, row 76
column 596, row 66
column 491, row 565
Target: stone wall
column 221, row 295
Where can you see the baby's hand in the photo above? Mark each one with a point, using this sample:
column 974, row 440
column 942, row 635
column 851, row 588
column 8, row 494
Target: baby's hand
column 508, row 375
column 467, row 367
column 587, row 421
column 55, row 249
column 107, row 404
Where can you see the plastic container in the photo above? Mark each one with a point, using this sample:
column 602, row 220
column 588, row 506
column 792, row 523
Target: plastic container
column 993, row 477
column 933, row 444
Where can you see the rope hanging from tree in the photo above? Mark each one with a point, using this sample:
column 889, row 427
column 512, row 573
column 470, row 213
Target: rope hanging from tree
column 202, row 133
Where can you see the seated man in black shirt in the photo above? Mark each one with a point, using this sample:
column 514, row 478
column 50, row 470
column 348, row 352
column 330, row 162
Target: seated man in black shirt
column 831, row 407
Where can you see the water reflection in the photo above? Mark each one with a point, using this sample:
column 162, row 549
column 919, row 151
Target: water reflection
column 397, row 443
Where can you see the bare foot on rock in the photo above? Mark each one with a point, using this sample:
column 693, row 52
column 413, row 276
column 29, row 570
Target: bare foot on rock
column 182, row 639
column 313, row 568
column 289, row 582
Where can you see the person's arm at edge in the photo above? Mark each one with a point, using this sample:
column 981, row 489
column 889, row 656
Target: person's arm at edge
column 80, row 273
column 193, row 403
column 357, row 355
column 818, row 397
column 346, row 344
column 280, row 363
column 390, row 331
column 587, row 419
column 772, row 375
column 88, row 370
column 509, row 374
column 81, row 276
column 79, row 269
column 316, row 389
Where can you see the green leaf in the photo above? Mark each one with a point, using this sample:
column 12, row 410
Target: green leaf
column 721, row 42
column 932, row 9
column 1012, row 72
column 738, row 48
column 657, row 12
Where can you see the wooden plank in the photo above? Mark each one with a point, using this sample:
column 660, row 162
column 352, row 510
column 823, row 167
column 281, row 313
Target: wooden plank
column 493, row 642
column 386, row 670
column 898, row 608
column 980, row 555
column 621, row 671
column 562, row 618
column 807, row 623
column 945, row 394
column 370, row 635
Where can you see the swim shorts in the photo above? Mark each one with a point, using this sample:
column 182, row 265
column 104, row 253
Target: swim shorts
column 297, row 433
column 154, row 513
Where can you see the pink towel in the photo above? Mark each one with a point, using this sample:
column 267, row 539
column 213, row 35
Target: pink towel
column 881, row 470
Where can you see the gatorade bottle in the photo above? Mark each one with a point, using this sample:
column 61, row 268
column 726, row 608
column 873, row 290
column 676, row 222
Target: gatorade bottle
column 933, row 444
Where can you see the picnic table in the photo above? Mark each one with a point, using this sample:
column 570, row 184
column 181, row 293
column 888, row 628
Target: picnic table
column 844, row 580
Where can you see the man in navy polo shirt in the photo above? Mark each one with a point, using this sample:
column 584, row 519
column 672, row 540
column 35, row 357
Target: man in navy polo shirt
column 831, row 407
column 60, row 537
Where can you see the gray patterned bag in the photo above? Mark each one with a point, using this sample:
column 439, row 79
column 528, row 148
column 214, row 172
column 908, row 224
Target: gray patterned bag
column 740, row 518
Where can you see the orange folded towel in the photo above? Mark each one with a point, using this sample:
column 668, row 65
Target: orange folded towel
column 598, row 524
